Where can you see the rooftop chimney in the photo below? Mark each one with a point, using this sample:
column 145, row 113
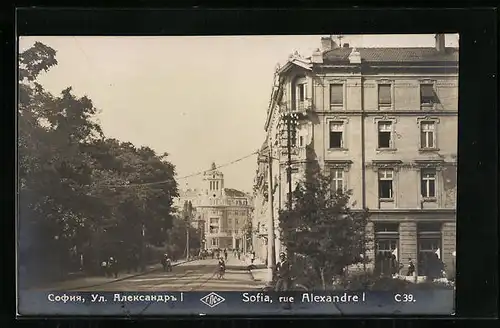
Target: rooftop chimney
column 355, row 57
column 317, row 57
column 346, row 45
column 440, row 45
column 327, row 44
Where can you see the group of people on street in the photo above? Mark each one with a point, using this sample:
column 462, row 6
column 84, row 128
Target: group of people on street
column 432, row 267
column 109, row 267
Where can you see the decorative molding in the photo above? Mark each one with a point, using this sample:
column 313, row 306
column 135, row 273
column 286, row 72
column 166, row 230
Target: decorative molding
column 385, row 81
column 331, row 80
column 383, row 118
column 338, row 164
column 406, row 85
column 415, row 165
column 370, row 113
column 433, row 119
column 337, row 118
column 375, row 165
column 447, row 84
column 427, row 81
column 429, row 163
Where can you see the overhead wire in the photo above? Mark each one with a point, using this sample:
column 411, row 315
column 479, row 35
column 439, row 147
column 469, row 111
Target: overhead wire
column 182, row 177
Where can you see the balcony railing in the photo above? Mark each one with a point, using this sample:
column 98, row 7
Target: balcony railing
column 303, row 106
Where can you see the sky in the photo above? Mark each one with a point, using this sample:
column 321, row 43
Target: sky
column 200, row 99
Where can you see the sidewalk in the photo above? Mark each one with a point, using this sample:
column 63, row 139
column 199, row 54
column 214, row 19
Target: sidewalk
column 233, row 263
column 95, row 281
column 258, row 270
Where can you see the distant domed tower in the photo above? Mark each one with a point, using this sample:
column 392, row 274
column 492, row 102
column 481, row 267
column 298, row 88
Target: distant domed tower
column 214, row 182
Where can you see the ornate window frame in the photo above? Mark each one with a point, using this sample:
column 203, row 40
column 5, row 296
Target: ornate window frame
column 337, row 81
column 436, row 165
column 344, row 165
column 395, row 166
column 435, row 121
column 385, row 82
column 345, row 123
column 394, row 134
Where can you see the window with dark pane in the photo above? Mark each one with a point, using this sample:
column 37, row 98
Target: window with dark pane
column 428, row 183
column 336, row 134
column 337, row 94
column 384, row 134
column 384, row 95
column 427, row 135
column 427, row 94
column 385, row 179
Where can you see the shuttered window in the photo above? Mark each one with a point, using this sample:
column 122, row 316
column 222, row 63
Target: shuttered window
column 384, row 94
column 337, row 94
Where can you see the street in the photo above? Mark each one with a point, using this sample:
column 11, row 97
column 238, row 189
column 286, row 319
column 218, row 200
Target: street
column 199, row 275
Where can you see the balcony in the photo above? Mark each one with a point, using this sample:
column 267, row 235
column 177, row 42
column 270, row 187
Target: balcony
column 303, row 106
column 299, row 107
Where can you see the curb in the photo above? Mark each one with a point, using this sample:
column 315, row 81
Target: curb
column 128, row 277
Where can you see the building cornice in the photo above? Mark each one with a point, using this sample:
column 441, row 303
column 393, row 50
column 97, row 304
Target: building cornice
column 409, row 211
column 389, row 112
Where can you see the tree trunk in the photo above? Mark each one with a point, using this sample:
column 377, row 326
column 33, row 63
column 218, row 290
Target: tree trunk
column 322, row 274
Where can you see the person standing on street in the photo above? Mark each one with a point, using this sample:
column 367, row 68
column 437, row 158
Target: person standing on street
column 283, row 274
column 225, row 254
column 411, row 267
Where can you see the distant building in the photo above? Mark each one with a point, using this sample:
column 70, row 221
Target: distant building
column 222, row 214
column 383, row 123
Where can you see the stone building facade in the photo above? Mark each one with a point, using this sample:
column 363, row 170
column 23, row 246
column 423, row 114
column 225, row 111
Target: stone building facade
column 223, row 215
column 383, row 123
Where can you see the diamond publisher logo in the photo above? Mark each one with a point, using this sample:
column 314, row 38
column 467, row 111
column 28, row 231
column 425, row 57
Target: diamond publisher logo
column 212, row 300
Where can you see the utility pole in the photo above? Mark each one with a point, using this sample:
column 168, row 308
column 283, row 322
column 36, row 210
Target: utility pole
column 143, row 239
column 290, row 120
column 188, row 209
column 271, row 246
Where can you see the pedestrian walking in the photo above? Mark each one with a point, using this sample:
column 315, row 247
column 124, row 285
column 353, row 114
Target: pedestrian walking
column 411, row 267
column 221, row 268
column 225, row 254
column 113, row 267
column 104, row 268
column 394, row 265
column 283, row 274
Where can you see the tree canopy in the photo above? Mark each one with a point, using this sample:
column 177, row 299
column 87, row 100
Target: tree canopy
column 321, row 231
column 78, row 190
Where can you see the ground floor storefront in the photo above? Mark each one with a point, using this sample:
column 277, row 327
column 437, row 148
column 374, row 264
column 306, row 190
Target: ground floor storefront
column 422, row 238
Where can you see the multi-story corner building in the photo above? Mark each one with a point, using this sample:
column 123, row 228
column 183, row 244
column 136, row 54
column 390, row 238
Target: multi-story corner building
column 383, row 123
column 223, row 215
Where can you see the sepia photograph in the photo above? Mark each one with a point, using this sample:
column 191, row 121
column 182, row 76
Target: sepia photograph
column 237, row 163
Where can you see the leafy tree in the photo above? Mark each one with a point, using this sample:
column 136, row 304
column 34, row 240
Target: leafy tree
column 79, row 191
column 321, row 233
column 54, row 209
